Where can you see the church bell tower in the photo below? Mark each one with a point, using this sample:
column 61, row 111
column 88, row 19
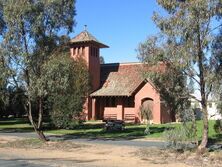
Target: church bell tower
column 87, row 47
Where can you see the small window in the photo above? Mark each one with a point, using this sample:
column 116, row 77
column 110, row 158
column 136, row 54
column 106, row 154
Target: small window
column 97, row 52
column 91, row 51
column 94, row 51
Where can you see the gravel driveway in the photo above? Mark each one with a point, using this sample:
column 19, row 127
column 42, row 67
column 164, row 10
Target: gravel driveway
column 120, row 142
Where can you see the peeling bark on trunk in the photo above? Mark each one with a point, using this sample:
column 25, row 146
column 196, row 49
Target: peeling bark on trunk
column 203, row 144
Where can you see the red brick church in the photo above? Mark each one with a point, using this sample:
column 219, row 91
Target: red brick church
column 118, row 89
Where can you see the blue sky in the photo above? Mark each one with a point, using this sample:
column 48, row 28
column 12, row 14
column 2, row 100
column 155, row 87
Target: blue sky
column 121, row 24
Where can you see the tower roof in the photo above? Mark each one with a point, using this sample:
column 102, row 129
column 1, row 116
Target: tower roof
column 84, row 37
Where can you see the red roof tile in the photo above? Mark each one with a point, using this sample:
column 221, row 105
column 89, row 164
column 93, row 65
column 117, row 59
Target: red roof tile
column 120, row 79
column 85, row 36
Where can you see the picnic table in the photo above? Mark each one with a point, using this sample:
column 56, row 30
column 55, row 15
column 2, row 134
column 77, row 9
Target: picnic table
column 114, row 125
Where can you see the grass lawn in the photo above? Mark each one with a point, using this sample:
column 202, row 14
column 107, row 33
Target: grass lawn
column 132, row 131
column 15, row 125
column 95, row 130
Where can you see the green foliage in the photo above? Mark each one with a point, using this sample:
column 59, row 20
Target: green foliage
column 217, row 59
column 219, row 107
column 147, row 114
column 180, row 138
column 187, row 32
column 4, row 98
column 16, row 104
column 66, row 84
column 218, row 126
column 176, row 138
column 101, row 59
column 32, row 31
column 174, row 91
column 94, row 130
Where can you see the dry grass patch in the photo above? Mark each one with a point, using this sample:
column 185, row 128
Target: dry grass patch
column 167, row 156
column 6, row 139
column 37, row 144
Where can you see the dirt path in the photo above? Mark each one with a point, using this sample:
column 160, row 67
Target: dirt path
column 90, row 155
column 93, row 156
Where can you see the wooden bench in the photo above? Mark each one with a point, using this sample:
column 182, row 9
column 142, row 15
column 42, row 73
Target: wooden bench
column 129, row 117
column 110, row 117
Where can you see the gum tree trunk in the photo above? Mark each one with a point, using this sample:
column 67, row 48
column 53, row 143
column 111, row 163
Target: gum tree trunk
column 40, row 113
column 202, row 84
column 204, row 141
column 35, row 127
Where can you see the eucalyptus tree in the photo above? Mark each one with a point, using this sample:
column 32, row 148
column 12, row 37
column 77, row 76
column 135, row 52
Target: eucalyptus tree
column 217, row 87
column 170, row 82
column 187, row 30
column 34, row 29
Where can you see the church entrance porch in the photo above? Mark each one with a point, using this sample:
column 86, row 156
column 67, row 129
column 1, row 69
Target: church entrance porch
column 114, row 108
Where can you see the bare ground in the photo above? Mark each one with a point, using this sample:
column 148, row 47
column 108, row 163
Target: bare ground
column 63, row 154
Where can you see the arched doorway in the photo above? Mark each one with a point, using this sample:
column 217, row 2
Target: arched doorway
column 146, row 109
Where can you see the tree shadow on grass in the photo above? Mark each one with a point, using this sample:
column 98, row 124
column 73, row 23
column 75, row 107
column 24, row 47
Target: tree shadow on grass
column 13, row 121
column 15, row 125
column 159, row 129
column 215, row 143
column 215, row 139
column 129, row 133
column 90, row 126
column 16, row 130
column 26, row 161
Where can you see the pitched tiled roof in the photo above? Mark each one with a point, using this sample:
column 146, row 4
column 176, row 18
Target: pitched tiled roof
column 123, row 79
column 85, row 36
column 119, row 79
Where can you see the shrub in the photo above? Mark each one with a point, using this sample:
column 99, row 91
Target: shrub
column 218, row 126
column 179, row 138
column 67, row 82
column 66, row 111
column 146, row 113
